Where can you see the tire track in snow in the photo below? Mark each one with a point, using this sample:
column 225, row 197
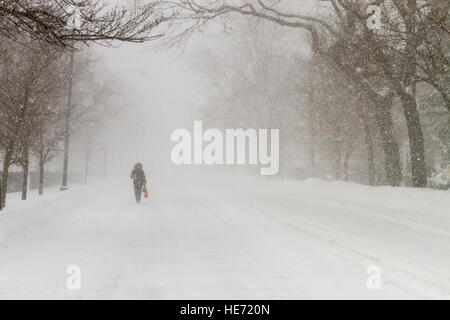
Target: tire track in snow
column 398, row 274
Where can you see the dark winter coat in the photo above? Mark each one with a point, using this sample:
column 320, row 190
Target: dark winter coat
column 138, row 175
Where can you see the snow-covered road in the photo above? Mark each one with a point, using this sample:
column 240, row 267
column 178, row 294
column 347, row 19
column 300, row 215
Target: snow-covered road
column 237, row 238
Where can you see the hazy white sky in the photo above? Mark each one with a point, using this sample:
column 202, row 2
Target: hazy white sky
column 160, row 93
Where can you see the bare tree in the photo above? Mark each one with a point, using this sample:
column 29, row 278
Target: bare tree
column 388, row 60
column 49, row 136
column 95, row 20
column 392, row 55
column 194, row 15
column 25, row 83
column 47, row 126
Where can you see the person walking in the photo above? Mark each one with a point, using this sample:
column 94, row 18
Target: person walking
column 139, row 181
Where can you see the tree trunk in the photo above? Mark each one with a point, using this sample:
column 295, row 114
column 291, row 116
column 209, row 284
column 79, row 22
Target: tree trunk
column 393, row 170
column 105, row 152
column 337, row 168
column 10, row 149
column 415, row 135
column 346, row 160
column 311, row 130
column 6, row 163
column 25, row 166
column 337, row 161
column 41, row 173
column 370, row 148
column 311, row 151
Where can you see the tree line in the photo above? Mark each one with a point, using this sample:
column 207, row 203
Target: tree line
column 355, row 79
column 37, row 39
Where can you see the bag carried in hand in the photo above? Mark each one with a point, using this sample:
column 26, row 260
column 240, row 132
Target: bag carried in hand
column 145, row 192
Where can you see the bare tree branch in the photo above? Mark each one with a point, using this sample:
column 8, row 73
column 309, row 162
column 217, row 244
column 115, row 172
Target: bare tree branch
column 50, row 21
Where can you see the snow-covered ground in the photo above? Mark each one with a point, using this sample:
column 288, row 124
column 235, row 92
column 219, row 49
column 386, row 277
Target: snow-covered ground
column 240, row 238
